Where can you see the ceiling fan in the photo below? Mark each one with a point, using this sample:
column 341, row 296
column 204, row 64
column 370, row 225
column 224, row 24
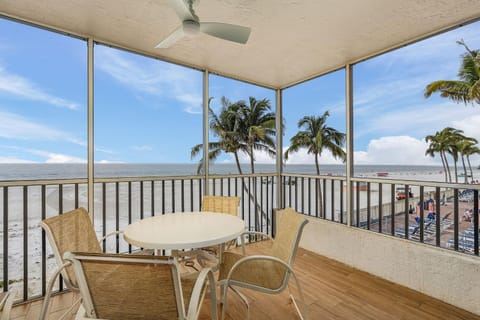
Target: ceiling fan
column 191, row 26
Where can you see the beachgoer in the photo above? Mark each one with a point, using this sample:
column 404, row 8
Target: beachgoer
column 468, row 215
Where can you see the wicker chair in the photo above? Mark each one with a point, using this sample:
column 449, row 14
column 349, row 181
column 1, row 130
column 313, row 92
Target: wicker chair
column 219, row 204
column 70, row 231
column 266, row 273
column 139, row 287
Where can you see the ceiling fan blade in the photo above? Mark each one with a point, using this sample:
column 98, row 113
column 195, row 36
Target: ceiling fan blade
column 182, row 9
column 173, row 37
column 226, row 31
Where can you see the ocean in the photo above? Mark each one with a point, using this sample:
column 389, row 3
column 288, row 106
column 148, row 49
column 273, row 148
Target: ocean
column 37, row 171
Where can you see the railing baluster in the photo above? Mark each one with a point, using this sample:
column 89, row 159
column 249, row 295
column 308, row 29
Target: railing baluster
column 44, row 242
column 153, row 199
column 341, row 201
column 438, row 218
column 117, row 216
column 332, row 194
column 380, row 207
column 25, row 243
column 129, row 209
column 141, row 200
column 422, row 214
column 392, row 210
column 368, row 204
column 475, row 222
column 455, row 219
column 173, row 195
column 406, row 213
column 5, row 238
column 163, row 196
column 104, row 215
column 60, row 211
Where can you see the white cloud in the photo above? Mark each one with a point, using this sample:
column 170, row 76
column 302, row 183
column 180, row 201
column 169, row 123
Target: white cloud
column 62, row 158
column 49, row 157
column 108, row 161
column 142, row 148
column 155, row 78
column 469, row 125
column 395, row 150
column 14, row 126
column 9, row 159
column 22, row 87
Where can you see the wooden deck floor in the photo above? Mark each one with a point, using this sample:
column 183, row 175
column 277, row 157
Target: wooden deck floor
column 333, row 291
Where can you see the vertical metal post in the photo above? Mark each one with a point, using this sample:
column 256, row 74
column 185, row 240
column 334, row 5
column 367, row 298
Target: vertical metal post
column 279, row 147
column 349, row 127
column 206, row 163
column 90, row 157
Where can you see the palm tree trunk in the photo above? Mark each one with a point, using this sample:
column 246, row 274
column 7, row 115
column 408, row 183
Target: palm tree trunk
column 251, row 195
column 444, row 167
column 319, row 188
column 447, row 166
column 252, row 165
column 464, row 169
column 237, row 161
column 455, row 160
column 470, row 166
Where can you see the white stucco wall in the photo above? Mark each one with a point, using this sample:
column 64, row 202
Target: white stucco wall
column 448, row 276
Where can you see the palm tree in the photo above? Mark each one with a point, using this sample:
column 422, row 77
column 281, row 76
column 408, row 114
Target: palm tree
column 317, row 137
column 257, row 128
column 471, row 150
column 467, row 147
column 225, row 126
column 438, row 143
column 241, row 128
column 465, row 90
column 453, row 142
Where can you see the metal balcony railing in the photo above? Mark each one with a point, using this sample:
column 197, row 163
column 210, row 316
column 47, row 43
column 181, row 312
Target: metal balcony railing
column 432, row 213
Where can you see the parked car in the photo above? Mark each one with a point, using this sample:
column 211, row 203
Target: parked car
column 401, row 194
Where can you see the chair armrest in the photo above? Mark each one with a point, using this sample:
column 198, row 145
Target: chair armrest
column 250, row 233
column 109, row 235
column 197, row 294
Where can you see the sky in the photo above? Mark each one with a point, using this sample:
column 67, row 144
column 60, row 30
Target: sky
column 149, row 111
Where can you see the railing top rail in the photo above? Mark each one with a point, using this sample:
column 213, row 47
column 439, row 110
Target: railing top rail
column 314, row 176
column 22, row 183
column 418, row 183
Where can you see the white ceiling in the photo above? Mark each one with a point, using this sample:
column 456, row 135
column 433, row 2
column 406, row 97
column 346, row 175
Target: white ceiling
column 291, row 40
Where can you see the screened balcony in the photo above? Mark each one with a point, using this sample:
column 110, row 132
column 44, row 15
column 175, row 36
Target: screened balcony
column 354, row 220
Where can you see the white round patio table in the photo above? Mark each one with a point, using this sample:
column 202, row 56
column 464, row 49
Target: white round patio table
column 184, row 230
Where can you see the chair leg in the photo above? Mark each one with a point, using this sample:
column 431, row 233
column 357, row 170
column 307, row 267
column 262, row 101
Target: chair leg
column 223, row 301
column 46, row 300
column 302, row 299
column 76, row 303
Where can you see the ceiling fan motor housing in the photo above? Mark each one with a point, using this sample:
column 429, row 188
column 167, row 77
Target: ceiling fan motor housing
column 191, row 27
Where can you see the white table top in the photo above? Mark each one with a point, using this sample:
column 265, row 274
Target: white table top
column 184, row 230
